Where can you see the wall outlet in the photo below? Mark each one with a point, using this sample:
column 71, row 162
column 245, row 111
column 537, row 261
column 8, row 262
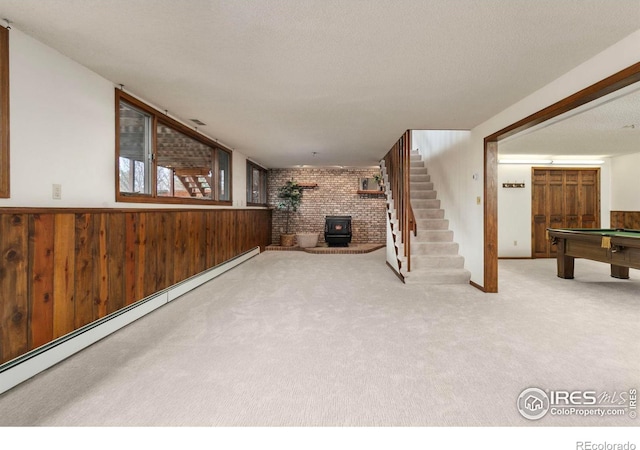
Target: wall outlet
column 515, row 243
column 56, row 192
column 478, row 200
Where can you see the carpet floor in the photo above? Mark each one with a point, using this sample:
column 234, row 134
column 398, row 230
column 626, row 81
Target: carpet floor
column 296, row 339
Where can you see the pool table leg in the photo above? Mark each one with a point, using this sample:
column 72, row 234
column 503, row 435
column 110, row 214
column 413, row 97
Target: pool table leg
column 619, row 272
column 565, row 263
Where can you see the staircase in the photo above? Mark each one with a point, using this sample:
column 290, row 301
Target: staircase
column 196, row 185
column 434, row 255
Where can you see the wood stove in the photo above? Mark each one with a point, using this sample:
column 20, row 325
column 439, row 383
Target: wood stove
column 337, row 231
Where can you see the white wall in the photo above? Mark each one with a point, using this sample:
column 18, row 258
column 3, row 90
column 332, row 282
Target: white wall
column 617, row 57
column 444, row 154
column 62, row 131
column 625, row 183
column 239, row 179
column 514, row 211
column 514, row 208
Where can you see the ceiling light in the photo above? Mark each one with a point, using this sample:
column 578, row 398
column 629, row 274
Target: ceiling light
column 524, row 161
column 556, row 162
column 577, row 162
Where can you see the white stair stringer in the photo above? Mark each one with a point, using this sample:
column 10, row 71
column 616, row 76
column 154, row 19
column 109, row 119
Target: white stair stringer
column 392, row 217
column 434, row 254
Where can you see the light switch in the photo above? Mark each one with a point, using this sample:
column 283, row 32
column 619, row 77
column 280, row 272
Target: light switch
column 478, row 200
column 56, row 193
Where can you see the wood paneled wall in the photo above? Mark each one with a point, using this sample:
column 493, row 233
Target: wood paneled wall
column 625, row 219
column 62, row 269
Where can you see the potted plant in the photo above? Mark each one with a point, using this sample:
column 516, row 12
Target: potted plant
column 290, row 196
column 379, row 180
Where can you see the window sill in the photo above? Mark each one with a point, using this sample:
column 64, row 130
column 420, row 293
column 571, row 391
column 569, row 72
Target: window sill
column 137, row 198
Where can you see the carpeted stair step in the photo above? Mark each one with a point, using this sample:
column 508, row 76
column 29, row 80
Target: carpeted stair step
column 432, row 236
column 414, row 163
column 437, row 262
column 425, row 203
column 421, row 186
column 418, row 171
column 438, row 276
column 433, row 248
column 417, row 178
column 416, row 195
column 434, row 213
column 416, row 157
column 432, row 224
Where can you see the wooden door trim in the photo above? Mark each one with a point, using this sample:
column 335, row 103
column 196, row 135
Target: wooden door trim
column 5, row 185
column 604, row 87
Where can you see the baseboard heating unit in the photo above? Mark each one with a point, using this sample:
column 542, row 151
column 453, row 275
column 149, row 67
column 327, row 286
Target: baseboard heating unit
column 31, row 363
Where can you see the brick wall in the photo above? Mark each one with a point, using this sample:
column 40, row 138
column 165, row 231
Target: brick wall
column 336, row 194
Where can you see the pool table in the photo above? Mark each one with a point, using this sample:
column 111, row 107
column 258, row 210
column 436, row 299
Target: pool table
column 618, row 247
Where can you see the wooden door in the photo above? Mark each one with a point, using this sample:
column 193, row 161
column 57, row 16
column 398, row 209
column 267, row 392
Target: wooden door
column 562, row 198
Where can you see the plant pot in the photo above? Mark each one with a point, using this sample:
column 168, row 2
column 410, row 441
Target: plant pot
column 287, row 240
column 307, row 240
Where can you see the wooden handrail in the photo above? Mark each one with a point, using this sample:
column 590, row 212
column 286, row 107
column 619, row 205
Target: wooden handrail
column 398, row 165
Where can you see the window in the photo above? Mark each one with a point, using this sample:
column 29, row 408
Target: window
column 224, row 175
column 256, row 184
column 161, row 160
column 135, row 150
column 184, row 165
column 4, row 113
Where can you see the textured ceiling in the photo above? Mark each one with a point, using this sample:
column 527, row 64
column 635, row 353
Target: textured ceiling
column 281, row 79
column 604, row 128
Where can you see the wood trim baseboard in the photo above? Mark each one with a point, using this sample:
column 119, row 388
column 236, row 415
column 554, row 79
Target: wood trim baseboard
column 398, row 274
column 516, row 257
column 477, row 286
column 5, row 185
column 82, row 210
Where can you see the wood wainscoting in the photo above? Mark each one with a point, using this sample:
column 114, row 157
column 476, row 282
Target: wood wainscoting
column 61, row 269
column 625, row 219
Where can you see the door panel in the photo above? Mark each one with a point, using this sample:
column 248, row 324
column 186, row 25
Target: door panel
column 590, row 201
column 539, row 242
column 562, row 198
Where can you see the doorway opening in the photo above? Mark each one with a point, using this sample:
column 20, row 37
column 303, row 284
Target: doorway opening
column 610, row 84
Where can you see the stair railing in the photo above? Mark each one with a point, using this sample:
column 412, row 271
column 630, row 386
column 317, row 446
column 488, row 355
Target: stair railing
column 398, row 164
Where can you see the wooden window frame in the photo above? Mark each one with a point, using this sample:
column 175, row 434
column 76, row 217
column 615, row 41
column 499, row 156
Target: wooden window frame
column 263, row 173
column 5, row 186
column 158, row 117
